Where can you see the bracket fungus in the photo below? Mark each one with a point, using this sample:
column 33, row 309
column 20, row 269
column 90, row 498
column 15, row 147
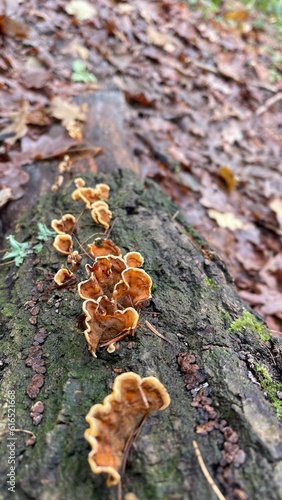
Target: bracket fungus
column 102, row 248
column 90, row 195
column 101, row 213
column 134, row 287
column 105, row 323
column 63, row 276
column 115, row 422
column 63, row 243
column 65, row 225
column 133, row 259
column 107, row 270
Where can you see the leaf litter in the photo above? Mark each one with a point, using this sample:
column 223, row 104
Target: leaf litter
column 204, row 114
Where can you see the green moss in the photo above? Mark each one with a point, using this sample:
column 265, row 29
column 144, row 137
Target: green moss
column 210, row 283
column 249, row 322
column 271, row 387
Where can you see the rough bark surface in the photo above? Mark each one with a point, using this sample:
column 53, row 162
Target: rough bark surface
column 194, row 303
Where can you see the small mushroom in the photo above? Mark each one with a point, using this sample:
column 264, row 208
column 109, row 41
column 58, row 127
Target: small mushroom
column 65, row 225
column 62, row 276
column 116, row 420
column 134, row 287
column 103, row 247
column 106, row 324
column 63, row 243
column 133, row 259
column 101, row 213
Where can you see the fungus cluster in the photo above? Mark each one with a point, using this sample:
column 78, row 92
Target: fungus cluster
column 115, row 422
column 113, row 292
column 115, row 287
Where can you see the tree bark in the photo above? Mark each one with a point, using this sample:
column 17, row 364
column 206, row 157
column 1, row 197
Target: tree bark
column 206, row 363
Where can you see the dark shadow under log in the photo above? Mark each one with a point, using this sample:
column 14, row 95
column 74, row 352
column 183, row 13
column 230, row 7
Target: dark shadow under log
column 194, row 305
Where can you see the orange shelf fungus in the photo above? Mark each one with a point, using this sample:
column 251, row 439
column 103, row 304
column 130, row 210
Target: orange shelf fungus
column 107, row 270
column 90, row 195
column 134, row 287
column 62, row 276
column 102, row 248
column 101, row 213
column 63, row 243
column 118, row 418
column 79, row 182
column 90, row 289
column 65, row 225
column 133, row 259
column 105, row 324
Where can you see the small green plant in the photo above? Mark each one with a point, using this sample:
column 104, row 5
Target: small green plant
column 212, row 284
column 249, row 322
column 80, row 73
column 18, row 250
column 43, row 235
column 271, row 388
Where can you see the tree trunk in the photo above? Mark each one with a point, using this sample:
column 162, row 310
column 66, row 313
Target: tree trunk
column 217, row 365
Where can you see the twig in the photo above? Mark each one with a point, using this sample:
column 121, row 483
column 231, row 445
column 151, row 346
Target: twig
column 153, row 329
column 268, row 103
column 206, row 472
column 174, row 216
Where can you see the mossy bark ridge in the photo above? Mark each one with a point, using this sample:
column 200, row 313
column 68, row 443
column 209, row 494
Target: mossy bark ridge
column 194, row 304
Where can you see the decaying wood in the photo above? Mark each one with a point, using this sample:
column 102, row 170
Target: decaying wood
column 208, row 369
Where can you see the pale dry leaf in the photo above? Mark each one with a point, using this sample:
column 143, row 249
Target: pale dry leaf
column 5, row 195
column 67, row 112
column 18, row 127
column 226, row 220
column 276, row 206
column 81, row 9
column 161, row 39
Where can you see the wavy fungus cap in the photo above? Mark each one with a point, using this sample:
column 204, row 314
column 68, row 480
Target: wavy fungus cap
column 63, row 243
column 101, row 213
column 90, row 195
column 133, row 259
column 63, row 276
column 102, row 248
column 134, row 287
column 106, row 324
column 113, row 422
column 65, row 225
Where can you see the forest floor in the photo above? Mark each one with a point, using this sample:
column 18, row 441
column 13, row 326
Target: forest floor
column 204, row 114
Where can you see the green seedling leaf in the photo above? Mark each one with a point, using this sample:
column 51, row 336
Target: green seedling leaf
column 44, row 233
column 18, row 250
column 80, row 73
column 37, row 248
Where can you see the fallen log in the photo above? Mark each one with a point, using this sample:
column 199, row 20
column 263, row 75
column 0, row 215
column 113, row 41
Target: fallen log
column 220, row 366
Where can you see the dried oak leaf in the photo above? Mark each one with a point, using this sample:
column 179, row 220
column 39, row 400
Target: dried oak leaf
column 67, row 112
column 105, row 324
column 113, row 423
